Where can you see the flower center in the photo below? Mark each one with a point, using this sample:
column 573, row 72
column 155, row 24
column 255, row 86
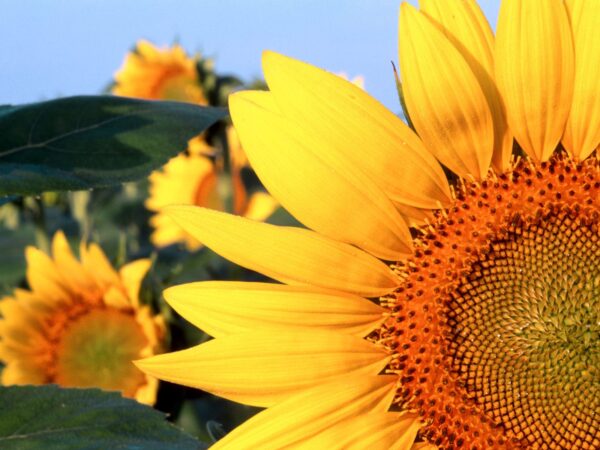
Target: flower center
column 182, row 88
column 525, row 330
column 97, row 349
column 495, row 331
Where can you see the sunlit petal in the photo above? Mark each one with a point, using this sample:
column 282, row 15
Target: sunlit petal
column 221, row 308
column 535, row 71
column 263, row 368
column 291, row 255
column 444, row 98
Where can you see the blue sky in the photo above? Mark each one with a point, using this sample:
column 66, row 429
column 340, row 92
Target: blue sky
column 54, row 48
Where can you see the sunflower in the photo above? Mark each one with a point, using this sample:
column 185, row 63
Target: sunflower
column 193, row 179
column 479, row 328
column 80, row 324
column 159, row 74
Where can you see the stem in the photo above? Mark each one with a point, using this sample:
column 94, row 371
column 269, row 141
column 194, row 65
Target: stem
column 42, row 239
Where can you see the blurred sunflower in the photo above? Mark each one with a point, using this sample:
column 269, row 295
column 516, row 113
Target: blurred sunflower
column 193, row 179
column 80, row 324
column 196, row 177
column 483, row 325
column 159, row 74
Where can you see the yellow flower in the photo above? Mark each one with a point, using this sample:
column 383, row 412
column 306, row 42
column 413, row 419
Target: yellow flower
column 159, row 74
column 480, row 328
column 80, row 324
column 193, row 179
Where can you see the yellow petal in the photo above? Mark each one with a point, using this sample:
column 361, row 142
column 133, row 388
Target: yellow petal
column 358, row 128
column 534, row 72
column 445, row 101
column 582, row 132
column 317, row 185
column 260, row 206
column 43, row 275
column 132, row 275
column 73, row 273
column 290, row 255
column 465, row 25
column 223, row 308
column 290, row 423
column 97, row 264
column 114, row 297
column 263, row 368
column 22, row 372
column 375, row 431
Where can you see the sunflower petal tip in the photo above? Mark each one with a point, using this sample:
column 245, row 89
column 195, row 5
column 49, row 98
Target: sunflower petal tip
column 407, row 8
column 170, row 294
column 270, row 56
column 145, row 364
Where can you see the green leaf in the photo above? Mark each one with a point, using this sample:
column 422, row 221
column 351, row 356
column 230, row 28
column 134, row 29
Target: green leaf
column 34, row 417
column 90, row 141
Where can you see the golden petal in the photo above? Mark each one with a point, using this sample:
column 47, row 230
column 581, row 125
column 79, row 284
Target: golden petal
column 444, row 98
column 465, row 25
column 43, row 276
column 375, row 431
column 358, row 128
column 97, row 264
column 260, row 206
column 73, row 273
column 535, row 72
column 132, row 275
column 221, row 308
column 290, row 255
column 319, row 186
column 582, row 132
column 291, row 422
column 264, row 368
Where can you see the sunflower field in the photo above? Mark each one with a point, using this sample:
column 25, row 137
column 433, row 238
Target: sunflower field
column 192, row 260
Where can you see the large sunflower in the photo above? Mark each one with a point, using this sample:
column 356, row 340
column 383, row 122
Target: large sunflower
column 482, row 328
column 80, row 324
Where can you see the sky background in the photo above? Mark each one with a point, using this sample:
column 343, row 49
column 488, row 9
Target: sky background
column 53, row 48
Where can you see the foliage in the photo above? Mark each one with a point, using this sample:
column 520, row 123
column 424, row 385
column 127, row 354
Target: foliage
column 86, row 142
column 34, row 417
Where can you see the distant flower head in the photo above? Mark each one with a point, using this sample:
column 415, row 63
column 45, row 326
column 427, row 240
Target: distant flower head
column 80, row 323
column 159, row 74
column 194, row 179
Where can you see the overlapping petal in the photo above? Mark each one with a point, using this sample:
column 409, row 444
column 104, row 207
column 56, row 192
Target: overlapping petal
column 535, row 72
column 132, row 275
column 290, row 255
column 582, row 132
column 465, row 25
column 354, row 126
column 322, row 188
column 43, row 276
column 289, row 423
column 263, row 368
column 375, row 431
column 447, row 105
column 224, row 308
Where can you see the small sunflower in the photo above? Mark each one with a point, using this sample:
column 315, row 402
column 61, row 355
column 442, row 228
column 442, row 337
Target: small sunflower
column 193, row 179
column 159, row 74
column 80, row 324
column 479, row 328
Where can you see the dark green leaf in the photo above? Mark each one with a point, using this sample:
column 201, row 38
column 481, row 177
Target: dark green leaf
column 34, row 417
column 86, row 142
